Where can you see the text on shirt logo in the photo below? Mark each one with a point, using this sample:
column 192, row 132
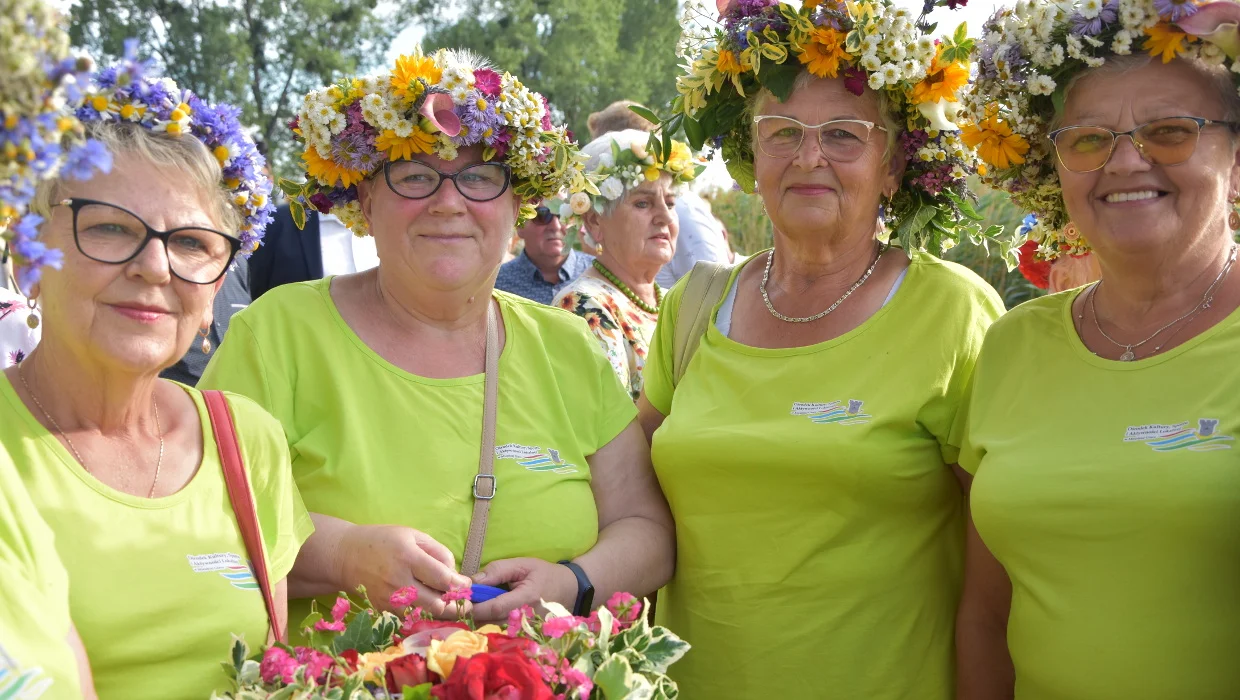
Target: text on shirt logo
column 1179, row 436
column 232, row 567
column 535, row 459
column 832, row 412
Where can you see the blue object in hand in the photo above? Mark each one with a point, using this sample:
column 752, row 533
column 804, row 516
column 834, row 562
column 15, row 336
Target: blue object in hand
column 481, row 594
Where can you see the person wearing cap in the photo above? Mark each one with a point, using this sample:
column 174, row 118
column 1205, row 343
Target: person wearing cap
column 443, row 432
column 546, row 264
column 122, row 465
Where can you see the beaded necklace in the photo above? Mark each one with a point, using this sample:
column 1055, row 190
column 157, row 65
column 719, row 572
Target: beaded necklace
column 658, row 294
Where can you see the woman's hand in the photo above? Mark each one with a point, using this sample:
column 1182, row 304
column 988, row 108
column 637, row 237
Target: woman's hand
column 385, row 558
column 531, row 581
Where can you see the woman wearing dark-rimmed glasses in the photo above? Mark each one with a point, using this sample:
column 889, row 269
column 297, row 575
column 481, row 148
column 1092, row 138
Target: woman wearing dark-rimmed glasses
column 1104, row 556
column 546, row 264
column 378, row 379
column 123, row 465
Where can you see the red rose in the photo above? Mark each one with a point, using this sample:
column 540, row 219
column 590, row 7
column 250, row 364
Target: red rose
column 499, row 643
column 1038, row 272
column 409, row 671
column 503, row 676
column 425, row 625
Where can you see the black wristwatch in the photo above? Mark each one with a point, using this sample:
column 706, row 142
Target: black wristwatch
column 585, row 590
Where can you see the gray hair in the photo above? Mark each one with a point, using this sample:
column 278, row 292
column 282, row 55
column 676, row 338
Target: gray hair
column 887, row 113
column 185, row 154
column 1219, row 75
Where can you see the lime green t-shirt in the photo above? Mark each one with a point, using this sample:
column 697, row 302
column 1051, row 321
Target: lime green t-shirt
column 1110, row 491
column 157, row 586
column 374, row 444
column 819, row 526
column 35, row 659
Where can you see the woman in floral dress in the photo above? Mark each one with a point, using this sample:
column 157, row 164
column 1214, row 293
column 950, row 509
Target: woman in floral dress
column 633, row 221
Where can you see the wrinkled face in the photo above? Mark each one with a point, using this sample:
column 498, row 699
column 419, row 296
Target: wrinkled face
column 135, row 316
column 1130, row 206
column 642, row 229
column 807, row 192
column 544, row 242
column 445, row 241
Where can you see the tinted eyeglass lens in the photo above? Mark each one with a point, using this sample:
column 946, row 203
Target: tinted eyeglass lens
column 841, row 141
column 416, row 180
column 111, row 235
column 543, row 215
column 1162, row 142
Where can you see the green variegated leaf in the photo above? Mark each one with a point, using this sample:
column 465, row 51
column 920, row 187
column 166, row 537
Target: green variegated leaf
column 298, row 213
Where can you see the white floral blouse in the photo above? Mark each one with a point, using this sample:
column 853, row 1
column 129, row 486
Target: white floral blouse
column 623, row 328
column 16, row 338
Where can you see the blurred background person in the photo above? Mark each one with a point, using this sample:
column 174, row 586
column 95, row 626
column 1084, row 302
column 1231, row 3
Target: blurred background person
column 325, row 247
column 547, row 264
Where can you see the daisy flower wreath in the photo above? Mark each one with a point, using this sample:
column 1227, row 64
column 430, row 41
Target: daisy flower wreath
column 1029, row 55
column 432, row 104
column 765, row 44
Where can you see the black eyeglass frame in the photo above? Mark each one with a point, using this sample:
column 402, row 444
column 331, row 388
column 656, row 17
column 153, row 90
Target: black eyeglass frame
column 1131, row 133
column 75, row 204
column 387, row 177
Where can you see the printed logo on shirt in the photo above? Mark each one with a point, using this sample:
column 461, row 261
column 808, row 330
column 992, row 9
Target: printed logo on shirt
column 21, row 684
column 1170, row 438
column 535, row 459
column 832, row 412
column 232, row 567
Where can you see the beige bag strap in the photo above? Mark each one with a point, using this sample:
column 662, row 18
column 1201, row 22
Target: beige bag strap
column 707, row 284
column 484, row 482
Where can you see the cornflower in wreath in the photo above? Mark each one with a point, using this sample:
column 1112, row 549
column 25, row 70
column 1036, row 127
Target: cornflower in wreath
column 621, row 161
column 39, row 136
column 760, row 47
column 428, row 104
column 1028, row 58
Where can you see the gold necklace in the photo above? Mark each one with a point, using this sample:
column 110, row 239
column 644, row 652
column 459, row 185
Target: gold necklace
column 21, row 374
column 766, row 276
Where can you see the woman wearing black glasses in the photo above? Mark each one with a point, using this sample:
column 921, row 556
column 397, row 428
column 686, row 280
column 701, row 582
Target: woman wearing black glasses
column 441, row 430
column 1102, row 424
column 122, row 465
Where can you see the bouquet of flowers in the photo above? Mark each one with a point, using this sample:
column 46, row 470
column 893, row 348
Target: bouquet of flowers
column 359, row 653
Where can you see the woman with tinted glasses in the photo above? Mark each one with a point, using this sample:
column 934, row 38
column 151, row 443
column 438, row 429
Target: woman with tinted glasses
column 634, row 225
column 1104, row 561
column 122, row 465
column 383, row 382
column 546, row 264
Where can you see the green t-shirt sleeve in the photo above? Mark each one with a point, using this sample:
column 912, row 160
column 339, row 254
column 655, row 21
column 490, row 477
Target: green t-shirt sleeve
column 657, row 375
column 282, row 516
column 982, row 308
column 969, row 455
column 238, row 366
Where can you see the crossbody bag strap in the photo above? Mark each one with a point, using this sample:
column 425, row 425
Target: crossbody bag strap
column 707, row 284
column 484, row 481
column 242, row 499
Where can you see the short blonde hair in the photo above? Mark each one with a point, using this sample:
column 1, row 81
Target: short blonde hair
column 184, row 153
column 617, row 117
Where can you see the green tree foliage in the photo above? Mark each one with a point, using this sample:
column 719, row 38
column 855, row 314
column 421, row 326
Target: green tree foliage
column 261, row 55
column 581, row 54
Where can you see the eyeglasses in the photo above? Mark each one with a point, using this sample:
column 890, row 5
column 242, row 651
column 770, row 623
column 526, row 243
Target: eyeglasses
column 110, row 234
column 414, row 179
column 842, row 140
column 543, row 215
column 1170, row 141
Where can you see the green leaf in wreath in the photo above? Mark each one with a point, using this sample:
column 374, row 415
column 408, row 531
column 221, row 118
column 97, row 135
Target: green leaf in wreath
column 356, row 636
column 695, row 133
column 665, row 649
column 298, row 212
column 780, row 78
column 615, row 678
column 421, row 692
column 645, row 113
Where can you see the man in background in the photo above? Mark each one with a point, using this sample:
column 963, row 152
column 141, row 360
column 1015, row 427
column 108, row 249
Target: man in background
column 546, row 265
column 701, row 236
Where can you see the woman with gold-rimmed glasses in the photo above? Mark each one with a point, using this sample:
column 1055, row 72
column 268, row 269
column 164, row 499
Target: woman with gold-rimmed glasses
column 1102, row 557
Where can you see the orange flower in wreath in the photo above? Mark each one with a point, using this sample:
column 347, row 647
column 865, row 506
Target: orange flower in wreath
column 942, row 82
column 823, row 52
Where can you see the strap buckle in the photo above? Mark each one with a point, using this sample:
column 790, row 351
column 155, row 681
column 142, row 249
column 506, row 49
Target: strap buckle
column 491, row 492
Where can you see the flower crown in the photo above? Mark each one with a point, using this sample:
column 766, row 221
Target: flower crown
column 124, row 93
column 433, row 105
column 39, row 139
column 1028, row 56
column 765, row 44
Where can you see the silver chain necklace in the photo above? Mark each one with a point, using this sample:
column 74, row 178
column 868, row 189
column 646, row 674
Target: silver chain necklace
column 1206, row 300
column 21, row 374
column 766, row 276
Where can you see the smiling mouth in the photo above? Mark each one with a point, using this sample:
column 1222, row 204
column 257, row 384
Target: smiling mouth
column 1143, row 195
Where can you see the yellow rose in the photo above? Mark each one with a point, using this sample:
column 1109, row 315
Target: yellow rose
column 441, row 657
column 374, row 664
column 580, row 202
column 652, row 173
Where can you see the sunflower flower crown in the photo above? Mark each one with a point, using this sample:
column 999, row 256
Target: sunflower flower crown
column 40, row 138
column 125, row 93
column 766, row 44
column 1028, row 56
column 432, row 104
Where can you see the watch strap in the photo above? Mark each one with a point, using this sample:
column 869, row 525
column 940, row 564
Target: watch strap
column 585, row 589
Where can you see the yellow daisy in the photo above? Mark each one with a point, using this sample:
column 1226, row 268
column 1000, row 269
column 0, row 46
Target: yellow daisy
column 995, row 143
column 942, row 82
column 328, row 171
column 399, row 148
column 823, row 52
column 407, row 73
